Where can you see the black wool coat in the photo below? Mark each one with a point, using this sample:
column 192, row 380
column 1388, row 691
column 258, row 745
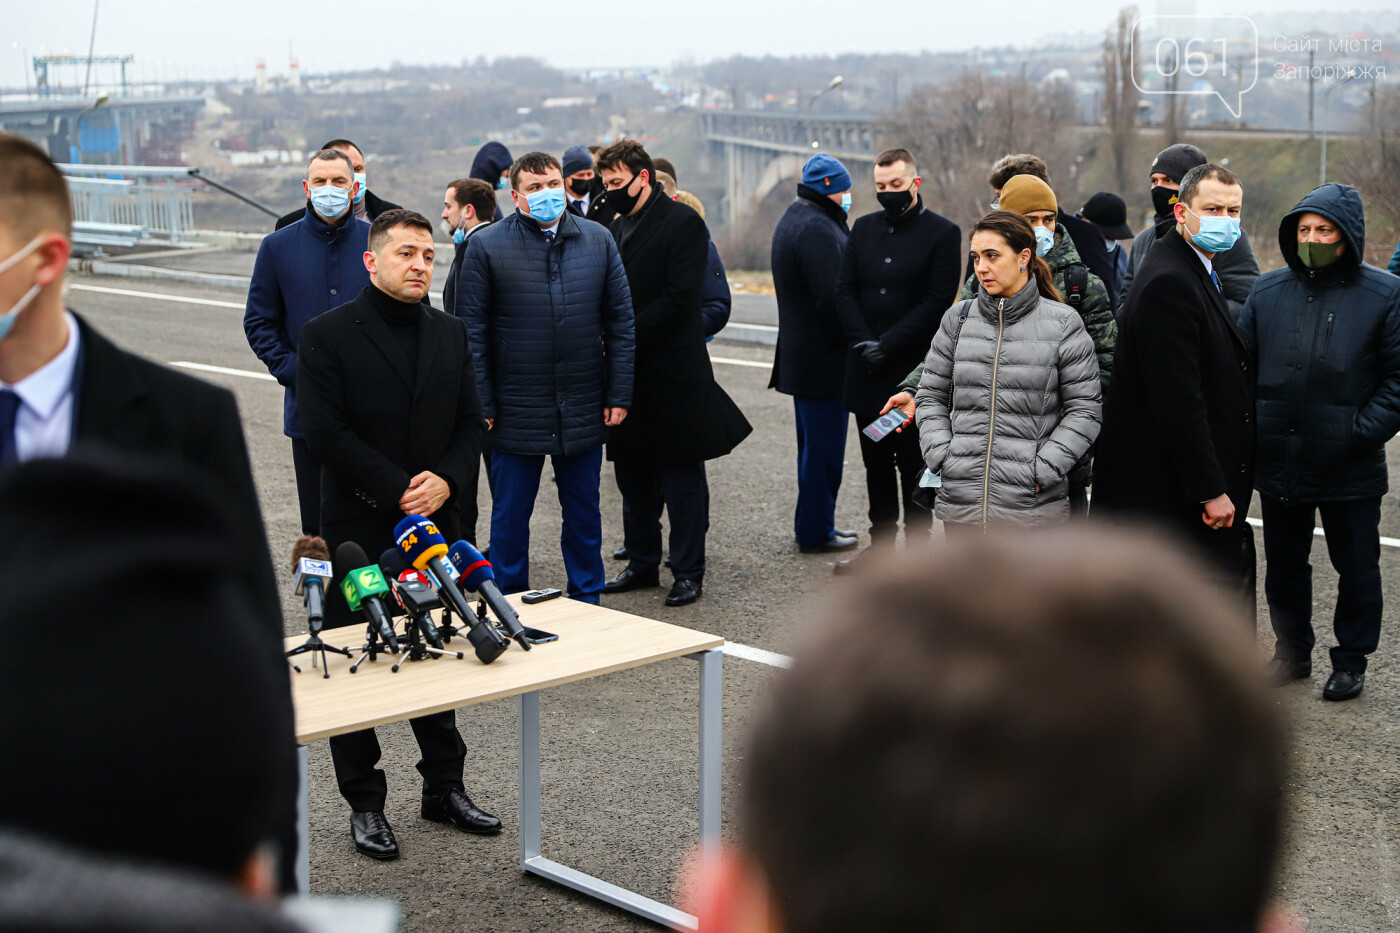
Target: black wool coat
column 897, row 278
column 1326, row 344
column 810, row 358
column 374, row 206
column 679, row 413
column 128, row 403
column 1178, row 421
column 373, row 425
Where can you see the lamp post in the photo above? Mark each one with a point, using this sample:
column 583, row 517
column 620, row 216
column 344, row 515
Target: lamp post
column 833, row 85
column 74, row 138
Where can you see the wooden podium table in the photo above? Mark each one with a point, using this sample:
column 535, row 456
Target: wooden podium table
column 592, row 641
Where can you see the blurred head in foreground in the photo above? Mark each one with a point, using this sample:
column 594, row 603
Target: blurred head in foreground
column 1049, row 731
column 152, row 727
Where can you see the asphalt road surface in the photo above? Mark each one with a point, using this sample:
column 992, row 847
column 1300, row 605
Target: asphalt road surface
column 620, row 752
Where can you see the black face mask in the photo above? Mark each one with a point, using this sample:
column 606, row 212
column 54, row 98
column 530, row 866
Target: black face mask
column 1162, row 200
column 620, row 201
column 895, row 203
column 579, row 186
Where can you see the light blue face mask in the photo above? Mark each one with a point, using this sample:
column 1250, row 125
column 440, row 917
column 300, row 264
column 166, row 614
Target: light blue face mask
column 459, row 236
column 546, row 205
column 329, row 201
column 1044, row 240
column 846, row 201
column 501, row 183
column 360, row 194
column 7, row 320
column 1217, row 234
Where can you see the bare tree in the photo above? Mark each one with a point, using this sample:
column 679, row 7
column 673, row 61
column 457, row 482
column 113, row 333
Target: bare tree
column 1121, row 50
column 1373, row 166
column 957, row 130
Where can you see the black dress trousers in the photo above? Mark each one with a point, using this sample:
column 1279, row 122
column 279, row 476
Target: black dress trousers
column 892, row 468
column 684, row 493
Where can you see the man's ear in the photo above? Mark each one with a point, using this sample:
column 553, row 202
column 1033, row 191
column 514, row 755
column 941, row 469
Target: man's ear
column 730, row 895
column 370, row 264
column 306, row 187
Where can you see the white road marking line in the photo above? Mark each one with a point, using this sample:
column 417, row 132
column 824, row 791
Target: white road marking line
column 157, row 296
column 720, row 359
column 1385, row 542
column 749, row 653
column 224, row 370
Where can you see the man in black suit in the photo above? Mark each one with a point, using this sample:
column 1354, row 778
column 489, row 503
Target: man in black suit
column 390, row 408
column 366, row 205
column 899, row 273
column 64, row 386
column 680, row 417
column 1177, row 443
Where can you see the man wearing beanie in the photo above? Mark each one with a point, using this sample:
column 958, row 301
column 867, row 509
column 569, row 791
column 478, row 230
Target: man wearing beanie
column 580, row 184
column 1237, row 268
column 809, row 361
column 160, row 737
column 899, row 273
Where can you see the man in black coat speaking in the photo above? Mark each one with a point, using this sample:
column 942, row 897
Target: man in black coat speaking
column 390, row 409
column 810, row 358
column 680, row 417
column 899, row 273
column 1177, row 443
column 1324, row 333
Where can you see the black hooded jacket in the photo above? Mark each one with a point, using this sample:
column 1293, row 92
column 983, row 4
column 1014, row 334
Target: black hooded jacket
column 487, row 165
column 1326, row 345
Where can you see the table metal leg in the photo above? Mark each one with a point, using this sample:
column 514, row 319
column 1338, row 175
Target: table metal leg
column 531, row 859
column 711, row 747
column 303, row 856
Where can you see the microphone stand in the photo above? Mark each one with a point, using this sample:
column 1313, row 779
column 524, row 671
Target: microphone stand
column 315, row 646
column 372, row 647
column 417, row 648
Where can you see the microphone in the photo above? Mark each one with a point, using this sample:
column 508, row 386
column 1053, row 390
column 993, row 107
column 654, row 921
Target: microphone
column 414, row 594
column 364, row 588
column 311, row 570
column 423, row 546
column 478, row 576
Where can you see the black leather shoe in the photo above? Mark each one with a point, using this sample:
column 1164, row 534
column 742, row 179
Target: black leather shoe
column 836, row 542
column 456, row 807
column 620, row 553
column 631, row 579
column 1280, row 671
column 1344, row 685
column 373, row 835
column 684, row 593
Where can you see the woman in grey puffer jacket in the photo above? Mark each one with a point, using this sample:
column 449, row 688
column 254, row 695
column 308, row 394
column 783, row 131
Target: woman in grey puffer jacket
column 1009, row 400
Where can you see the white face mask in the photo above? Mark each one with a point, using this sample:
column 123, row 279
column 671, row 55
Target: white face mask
column 7, row 320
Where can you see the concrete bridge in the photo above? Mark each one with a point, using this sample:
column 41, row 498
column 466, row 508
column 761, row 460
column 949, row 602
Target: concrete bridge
column 762, row 149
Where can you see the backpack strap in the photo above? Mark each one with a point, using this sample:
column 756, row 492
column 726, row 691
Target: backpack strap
column 1076, row 284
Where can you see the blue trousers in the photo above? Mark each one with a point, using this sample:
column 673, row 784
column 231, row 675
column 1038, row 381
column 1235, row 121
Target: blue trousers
column 821, row 454
column 516, row 478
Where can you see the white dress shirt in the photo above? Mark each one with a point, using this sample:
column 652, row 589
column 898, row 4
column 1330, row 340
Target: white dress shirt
column 44, row 421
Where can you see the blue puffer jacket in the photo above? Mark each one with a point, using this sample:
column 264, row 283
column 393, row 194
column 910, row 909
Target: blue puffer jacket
column 1326, row 345
column 552, row 335
column 302, row 270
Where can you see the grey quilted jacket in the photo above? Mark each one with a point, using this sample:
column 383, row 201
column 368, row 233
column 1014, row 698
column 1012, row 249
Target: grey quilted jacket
column 1017, row 411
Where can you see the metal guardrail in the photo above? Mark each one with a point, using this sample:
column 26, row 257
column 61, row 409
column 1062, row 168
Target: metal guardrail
column 144, row 196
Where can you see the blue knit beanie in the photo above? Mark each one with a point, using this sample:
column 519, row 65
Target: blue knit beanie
column 576, row 159
column 826, row 174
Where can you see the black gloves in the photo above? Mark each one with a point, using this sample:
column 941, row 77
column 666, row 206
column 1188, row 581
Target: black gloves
column 872, row 354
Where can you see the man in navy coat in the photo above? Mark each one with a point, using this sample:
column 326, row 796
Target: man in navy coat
column 303, row 270
column 547, row 305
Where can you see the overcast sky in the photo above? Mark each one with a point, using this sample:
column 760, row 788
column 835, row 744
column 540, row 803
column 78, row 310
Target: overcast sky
column 228, row 37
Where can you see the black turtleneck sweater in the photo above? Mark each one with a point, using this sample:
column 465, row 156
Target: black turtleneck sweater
column 403, row 319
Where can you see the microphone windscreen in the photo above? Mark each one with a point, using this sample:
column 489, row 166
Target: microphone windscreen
column 419, row 540
column 309, row 546
column 393, row 563
column 349, row 556
column 474, row 568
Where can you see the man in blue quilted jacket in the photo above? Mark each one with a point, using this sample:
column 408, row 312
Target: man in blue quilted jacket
column 546, row 302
